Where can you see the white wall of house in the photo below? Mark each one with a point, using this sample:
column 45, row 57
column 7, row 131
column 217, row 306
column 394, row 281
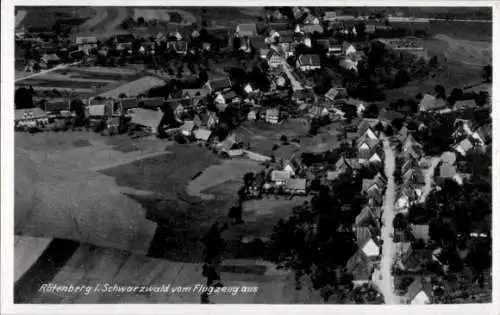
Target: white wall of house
column 420, row 299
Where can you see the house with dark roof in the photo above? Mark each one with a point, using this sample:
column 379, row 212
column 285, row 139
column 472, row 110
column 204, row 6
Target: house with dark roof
column 296, row 186
column 336, row 93
column 360, row 267
column 419, row 293
column 374, row 155
column 332, row 47
column 367, row 217
column 308, row 62
column 378, row 182
column 420, row 232
column 219, row 84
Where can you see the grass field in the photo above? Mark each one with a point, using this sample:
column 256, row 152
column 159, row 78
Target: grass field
column 460, row 30
column 46, row 17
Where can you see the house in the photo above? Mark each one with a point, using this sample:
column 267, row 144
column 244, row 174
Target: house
column 100, row 110
column 336, row 93
column 272, row 115
column 431, row 103
column 360, row 267
column 274, row 60
column 252, row 115
column 50, row 60
column 447, row 171
column 378, row 182
column 332, row 47
column 219, row 84
column 406, row 197
column 414, row 178
column 202, row 134
column 348, row 49
column 246, row 29
column 308, row 62
column 367, row 217
column 86, row 43
column 147, row 118
column 465, row 104
column 365, row 124
column 365, row 143
column 296, row 186
column 419, row 293
column 191, row 93
column 330, row 16
column 463, row 147
column 369, row 247
column 280, row 177
column 348, row 64
column 30, row 117
column 420, row 232
column 374, row 155
column 187, row 128
column 290, row 168
column 312, row 28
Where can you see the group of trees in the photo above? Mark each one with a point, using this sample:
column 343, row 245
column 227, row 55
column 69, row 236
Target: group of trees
column 317, row 239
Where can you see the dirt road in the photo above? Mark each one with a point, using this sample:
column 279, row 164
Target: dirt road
column 388, row 249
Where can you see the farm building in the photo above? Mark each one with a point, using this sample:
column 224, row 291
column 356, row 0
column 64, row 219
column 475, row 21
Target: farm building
column 309, row 62
column 30, row 117
column 296, row 186
column 202, row 134
column 280, row 177
column 272, row 115
column 134, row 88
column 248, row 29
column 219, row 84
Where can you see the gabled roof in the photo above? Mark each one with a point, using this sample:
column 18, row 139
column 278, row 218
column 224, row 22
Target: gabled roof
column 29, row 113
column 416, row 287
column 365, row 124
column 420, row 231
column 296, row 183
column 312, row 28
column 194, row 92
column 447, row 171
column 280, row 175
column 151, row 102
column 247, row 29
column 359, row 266
column 466, row 145
column 366, row 217
column 311, row 60
column 335, row 92
column 413, row 177
column 219, row 84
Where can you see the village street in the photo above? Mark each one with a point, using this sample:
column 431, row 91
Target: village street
column 388, row 249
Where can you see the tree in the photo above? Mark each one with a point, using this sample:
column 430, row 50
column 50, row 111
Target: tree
column 397, row 123
column 371, row 111
column 400, row 222
column 457, row 94
column 284, row 139
column 440, row 91
column 23, row 97
column 78, row 107
column 486, row 73
column 481, row 99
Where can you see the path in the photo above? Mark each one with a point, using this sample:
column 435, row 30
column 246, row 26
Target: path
column 296, row 85
column 47, row 71
column 388, row 249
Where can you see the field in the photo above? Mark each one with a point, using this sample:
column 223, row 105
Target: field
column 465, row 60
column 102, row 204
column 46, row 17
column 263, row 137
column 80, row 81
column 460, row 30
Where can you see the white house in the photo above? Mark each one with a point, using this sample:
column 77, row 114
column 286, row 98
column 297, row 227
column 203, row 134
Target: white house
column 30, row 117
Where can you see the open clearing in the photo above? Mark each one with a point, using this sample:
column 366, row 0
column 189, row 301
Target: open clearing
column 229, row 170
column 57, row 195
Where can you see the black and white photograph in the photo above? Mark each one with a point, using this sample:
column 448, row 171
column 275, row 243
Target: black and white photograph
column 252, row 155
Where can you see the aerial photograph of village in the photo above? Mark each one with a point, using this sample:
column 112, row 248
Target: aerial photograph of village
column 253, row 155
